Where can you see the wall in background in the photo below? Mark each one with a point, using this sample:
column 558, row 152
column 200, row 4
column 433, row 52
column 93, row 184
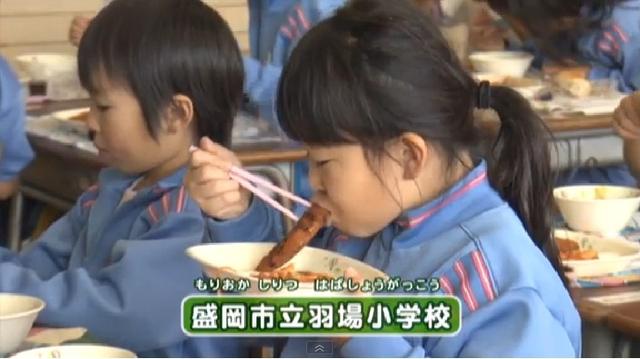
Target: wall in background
column 42, row 25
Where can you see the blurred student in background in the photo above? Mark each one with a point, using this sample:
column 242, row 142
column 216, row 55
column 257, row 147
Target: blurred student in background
column 15, row 151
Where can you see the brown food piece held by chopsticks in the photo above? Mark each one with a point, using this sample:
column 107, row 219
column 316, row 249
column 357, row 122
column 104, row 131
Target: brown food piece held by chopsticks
column 307, row 227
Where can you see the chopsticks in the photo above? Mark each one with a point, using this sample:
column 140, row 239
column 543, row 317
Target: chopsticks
column 252, row 183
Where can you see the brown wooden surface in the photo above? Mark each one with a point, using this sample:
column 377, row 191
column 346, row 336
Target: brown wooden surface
column 558, row 125
column 624, row 318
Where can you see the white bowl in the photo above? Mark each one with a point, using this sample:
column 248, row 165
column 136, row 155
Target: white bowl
column 508, row 63
column 44, row 66
column 17, row 314
column 614, row 254
column 239, row 260
column 79, row 351
column 601, row 209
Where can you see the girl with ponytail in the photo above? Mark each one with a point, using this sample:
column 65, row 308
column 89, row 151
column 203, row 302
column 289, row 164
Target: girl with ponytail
column 386, row 111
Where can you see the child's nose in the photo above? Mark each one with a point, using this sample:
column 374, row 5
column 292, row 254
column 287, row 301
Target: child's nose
column 92, row 123
column 314, row 179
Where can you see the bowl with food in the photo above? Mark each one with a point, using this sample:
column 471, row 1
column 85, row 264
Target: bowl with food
column 589, row 255
column 601, row 209
column 76, row 351
column 290, row 259
column 17, row 315
column 240, row 261
column 507, row 63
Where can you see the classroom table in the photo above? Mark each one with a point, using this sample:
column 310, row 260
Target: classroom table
column 60, row 172
column 609, row 329
column 576, row 139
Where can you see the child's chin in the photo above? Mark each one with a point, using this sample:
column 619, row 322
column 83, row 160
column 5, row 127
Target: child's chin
column 128, row 170
column 350, row 231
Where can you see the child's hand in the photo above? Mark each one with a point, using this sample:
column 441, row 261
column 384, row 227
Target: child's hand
column 78, row 26
column 626, row 118
column 209, row 184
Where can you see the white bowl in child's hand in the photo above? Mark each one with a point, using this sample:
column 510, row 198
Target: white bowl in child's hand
column 507, row 63
column 76, row 351
column 239, row 260
column 17, row 314
column 601, row 209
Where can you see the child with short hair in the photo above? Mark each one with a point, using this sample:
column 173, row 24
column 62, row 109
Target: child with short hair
column 161, row 75
column 386, row 111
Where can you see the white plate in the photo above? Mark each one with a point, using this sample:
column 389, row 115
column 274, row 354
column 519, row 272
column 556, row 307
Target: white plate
column 614, row 254
column 76, row 351
column 65, row 120
column 238, row 260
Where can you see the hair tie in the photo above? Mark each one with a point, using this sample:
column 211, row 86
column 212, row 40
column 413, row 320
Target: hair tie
column 484, row 95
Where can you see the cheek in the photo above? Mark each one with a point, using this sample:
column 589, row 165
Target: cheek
column 129, row 144
column 361, row 206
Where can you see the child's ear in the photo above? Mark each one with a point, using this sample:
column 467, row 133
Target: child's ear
column 415, row 152
column 179, row 114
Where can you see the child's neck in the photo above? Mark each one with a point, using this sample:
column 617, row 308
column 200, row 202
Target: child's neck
column 439, row 184
column 168, row 167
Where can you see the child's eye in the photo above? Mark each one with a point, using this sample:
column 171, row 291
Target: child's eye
column 101, row 108
column 322, row 163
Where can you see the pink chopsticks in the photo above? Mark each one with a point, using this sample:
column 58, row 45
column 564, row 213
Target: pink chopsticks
column 252, row 183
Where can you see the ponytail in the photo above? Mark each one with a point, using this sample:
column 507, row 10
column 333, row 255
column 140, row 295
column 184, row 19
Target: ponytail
column 520, row 169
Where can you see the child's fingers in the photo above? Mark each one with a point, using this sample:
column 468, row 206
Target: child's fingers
column 224, row 198
column 624, row 125
column 629, row 106
column 200, row 158
column 625, row 134
column 220, row 209
column 211, row 190
column 222, row 152
column 204, row 174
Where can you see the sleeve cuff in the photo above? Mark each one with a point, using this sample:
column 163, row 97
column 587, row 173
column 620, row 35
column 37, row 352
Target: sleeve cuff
column 254, row 225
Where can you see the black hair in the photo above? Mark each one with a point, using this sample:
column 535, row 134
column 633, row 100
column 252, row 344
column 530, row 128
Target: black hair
column 161, row 48
column 380, row 68
column 537, row 16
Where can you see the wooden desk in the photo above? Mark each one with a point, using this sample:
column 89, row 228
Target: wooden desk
column 562, row 125
column 624, row 317
column 608, row 329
